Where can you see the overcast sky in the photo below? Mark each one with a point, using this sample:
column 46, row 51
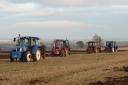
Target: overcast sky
column 74, row 19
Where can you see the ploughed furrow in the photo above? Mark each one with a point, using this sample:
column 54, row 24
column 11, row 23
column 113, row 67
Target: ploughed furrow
column 86, row 69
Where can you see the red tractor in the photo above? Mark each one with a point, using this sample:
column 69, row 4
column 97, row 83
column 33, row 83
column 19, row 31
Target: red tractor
column 61, row 47
column 91, row 47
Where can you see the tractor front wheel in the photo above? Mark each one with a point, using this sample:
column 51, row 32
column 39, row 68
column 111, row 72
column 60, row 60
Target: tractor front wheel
column 63, row 54
column 37, row 56
column 11, row 59
column 22, row 59
column 27, row 56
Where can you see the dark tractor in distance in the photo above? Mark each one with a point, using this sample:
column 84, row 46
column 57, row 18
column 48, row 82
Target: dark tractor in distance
column 111, row 46
column 91, row 47
column 60, row 47
column 27, row 48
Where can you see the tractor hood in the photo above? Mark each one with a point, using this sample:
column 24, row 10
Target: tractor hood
column 21, row 48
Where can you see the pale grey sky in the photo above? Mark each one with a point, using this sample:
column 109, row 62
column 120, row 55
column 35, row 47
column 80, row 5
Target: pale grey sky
column 74, row 19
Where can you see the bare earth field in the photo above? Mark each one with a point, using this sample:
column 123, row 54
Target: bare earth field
column 77, row 69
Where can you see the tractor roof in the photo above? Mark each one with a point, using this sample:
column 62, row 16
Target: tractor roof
column 60, row 40
column 29, row 37
column 91, row 42
column 110, row 41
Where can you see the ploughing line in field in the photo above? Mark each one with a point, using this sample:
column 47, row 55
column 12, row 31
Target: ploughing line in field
column 6, row 54
column 114, row 81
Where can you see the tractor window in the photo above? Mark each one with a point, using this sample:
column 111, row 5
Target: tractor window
column 66, row 43
column 34, row 42
column 106, row 44
column 59, row 44
column 27, row 41
column 91, row 44
column 24, row 41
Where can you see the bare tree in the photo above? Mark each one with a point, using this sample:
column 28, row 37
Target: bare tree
column 80, row 44
column 99, row 42
column 97, row 39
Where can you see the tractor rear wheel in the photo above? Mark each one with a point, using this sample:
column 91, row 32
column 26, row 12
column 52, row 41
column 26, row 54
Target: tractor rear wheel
column 27, row 56
column 22, row 59
column 63, row 53
column 67, row 53
column 11, row 59
column 37, row 56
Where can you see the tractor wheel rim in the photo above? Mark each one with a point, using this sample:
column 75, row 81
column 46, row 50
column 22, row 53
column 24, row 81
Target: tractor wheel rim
column 28, row 57
column 38, row 55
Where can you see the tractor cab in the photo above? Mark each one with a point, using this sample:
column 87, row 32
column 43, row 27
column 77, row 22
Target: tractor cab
column 91, row 47
column 27, row 41
column 61, row 47
column 27, row 48
column 111, row 46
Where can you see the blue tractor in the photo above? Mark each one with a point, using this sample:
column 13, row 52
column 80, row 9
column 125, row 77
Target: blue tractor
column 111, row 46
column 27, row 48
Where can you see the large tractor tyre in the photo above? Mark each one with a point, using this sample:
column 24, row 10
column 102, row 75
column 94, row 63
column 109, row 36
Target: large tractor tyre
column 37, row 56
column 27, row 57
column 95, row 50
column 63, row 54
column 11, row 59
column 105, row 50
column 88, row 50
column 67, row 53
column 22, row 59
column 116, row 50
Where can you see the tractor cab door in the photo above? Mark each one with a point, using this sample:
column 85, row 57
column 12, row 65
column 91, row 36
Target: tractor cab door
column 34, row 45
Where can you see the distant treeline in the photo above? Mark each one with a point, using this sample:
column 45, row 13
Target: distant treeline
column 73, row 44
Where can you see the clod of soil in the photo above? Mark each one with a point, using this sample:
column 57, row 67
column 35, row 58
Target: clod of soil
column 124, row 68
column 113, row 81
column 4, row 79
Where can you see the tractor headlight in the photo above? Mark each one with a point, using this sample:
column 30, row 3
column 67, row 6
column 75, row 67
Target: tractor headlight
column 16, row 49
column 21, row 49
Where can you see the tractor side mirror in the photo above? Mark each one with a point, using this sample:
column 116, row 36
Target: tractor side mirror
column 14, row 39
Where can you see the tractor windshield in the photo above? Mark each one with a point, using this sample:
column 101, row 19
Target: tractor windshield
column 59, row 44
column 22, row 41
column 91, row 44
column 27, row 41
column 66, row 43
column 110, row 44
